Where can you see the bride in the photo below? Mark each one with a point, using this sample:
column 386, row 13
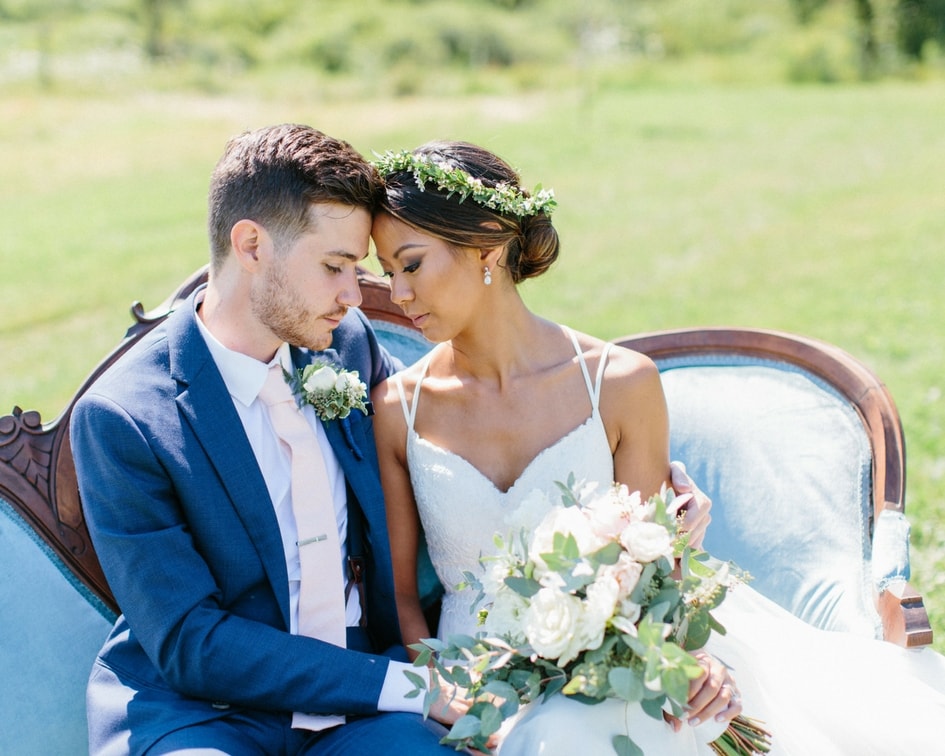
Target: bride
column 507, row 403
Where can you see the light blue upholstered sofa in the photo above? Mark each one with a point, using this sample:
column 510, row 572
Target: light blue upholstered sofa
column 797, row 443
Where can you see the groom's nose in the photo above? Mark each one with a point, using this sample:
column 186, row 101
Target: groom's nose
column 350, row 293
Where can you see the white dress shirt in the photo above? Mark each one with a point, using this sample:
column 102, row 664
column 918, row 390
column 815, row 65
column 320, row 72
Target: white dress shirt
column 244, row 377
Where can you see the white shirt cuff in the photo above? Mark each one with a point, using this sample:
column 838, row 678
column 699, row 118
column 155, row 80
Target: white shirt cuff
column 397, row 686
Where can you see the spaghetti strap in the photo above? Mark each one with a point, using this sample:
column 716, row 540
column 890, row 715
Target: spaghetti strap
column 580, row 356
column 593, row 389
column 595, row 397
column 403, row 399
column 410, row 415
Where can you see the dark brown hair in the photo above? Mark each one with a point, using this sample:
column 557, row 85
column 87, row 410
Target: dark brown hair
column 274, row 174
column 531, row 242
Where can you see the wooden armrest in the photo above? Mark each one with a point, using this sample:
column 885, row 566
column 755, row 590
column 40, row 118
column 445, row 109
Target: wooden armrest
column 905, row 620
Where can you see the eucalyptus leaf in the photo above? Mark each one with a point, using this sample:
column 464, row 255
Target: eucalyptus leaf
column 491, row 720
column 698, row 630
column 429, row 698
column 465, row 727
column 626, row 747
column 675, row 683
column 554, row 685
column 458, row 640
column 523, row 586
column 653, row 706
column 500, row 689
column 608, row 554
column 626, row 683
column 419, row 681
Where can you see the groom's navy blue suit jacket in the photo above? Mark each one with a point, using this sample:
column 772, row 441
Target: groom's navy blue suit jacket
column 186, row 533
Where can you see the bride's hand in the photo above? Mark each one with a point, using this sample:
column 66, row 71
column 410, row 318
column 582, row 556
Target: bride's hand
column 452, row 703
column 697, row 507
column 714, row 694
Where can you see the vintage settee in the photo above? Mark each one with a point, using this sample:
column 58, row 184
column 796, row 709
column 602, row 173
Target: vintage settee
column 798, row 444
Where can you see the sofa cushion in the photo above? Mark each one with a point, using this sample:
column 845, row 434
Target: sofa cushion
column 52, row 629
column 788, row 467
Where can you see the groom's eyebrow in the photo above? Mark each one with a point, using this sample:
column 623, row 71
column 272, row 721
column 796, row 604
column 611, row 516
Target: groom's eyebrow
column 343, row 253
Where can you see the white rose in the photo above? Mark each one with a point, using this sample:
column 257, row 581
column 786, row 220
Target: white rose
column 551, row 621
column 626, row 618
column 585, row 637
column 647, row 541
column 626, row 571
column 496, row 569
column 565, row 520
column 611, row 513
column 595, row 612
column 607, row 517
column 505, row 616
column 599, row 607
column 322, row 379
column 350, row 383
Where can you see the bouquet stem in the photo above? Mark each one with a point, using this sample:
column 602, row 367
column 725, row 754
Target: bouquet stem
column 744, row 736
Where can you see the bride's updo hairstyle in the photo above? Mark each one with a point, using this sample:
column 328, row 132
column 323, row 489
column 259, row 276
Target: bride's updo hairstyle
column 530, row 240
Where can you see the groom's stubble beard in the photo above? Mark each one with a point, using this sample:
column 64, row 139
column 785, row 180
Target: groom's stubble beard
column 278, row 305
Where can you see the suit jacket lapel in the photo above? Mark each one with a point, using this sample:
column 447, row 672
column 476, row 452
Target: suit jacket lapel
column 207, row 406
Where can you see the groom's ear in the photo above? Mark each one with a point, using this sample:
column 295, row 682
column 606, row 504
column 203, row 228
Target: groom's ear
column 247, row 239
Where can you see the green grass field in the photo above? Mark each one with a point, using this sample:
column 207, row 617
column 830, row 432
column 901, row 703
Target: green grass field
column 818, row 210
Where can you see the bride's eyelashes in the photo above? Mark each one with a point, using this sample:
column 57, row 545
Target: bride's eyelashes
column 411, row 268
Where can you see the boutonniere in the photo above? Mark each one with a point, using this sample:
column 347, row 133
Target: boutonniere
column 333, row 393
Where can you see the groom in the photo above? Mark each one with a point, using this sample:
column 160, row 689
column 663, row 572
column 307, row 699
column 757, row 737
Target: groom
column 187, row 494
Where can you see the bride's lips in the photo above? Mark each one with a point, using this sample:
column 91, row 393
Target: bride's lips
column 419, row 320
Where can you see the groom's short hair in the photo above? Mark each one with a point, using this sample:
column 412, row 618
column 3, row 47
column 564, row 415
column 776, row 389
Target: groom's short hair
column 273, row 175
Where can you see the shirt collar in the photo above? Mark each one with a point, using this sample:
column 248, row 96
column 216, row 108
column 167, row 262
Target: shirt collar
column 243, row 375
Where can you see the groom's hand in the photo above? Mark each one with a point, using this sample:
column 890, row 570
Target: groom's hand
column 696, row 507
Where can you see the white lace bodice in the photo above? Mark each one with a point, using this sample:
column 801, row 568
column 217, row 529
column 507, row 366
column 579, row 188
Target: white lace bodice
column 461, row 509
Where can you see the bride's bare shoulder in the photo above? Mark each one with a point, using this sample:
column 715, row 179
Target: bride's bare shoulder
column 623, row 365
column 386, row 398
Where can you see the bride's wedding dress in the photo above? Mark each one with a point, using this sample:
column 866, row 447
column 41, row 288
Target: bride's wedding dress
column 820, row 693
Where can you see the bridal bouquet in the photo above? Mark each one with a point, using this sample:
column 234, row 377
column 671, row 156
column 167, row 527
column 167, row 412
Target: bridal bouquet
column 604, row 598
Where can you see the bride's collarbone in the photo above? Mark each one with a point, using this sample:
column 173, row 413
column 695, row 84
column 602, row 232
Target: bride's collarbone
column 501, row 442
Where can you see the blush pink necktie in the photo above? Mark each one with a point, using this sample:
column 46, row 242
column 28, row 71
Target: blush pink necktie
column 321, row 585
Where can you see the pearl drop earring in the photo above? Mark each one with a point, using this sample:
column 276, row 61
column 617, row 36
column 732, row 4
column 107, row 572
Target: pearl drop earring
column 487, row 276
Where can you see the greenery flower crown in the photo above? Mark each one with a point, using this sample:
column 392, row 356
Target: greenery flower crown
column 504, row 198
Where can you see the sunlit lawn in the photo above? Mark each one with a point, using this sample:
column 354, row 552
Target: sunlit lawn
column 814, row 210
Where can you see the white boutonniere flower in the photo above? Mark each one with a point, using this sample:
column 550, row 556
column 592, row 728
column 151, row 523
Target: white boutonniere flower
column 333, row 393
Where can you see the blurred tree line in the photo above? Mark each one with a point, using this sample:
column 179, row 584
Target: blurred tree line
column 917, row 23
column 403, row 40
